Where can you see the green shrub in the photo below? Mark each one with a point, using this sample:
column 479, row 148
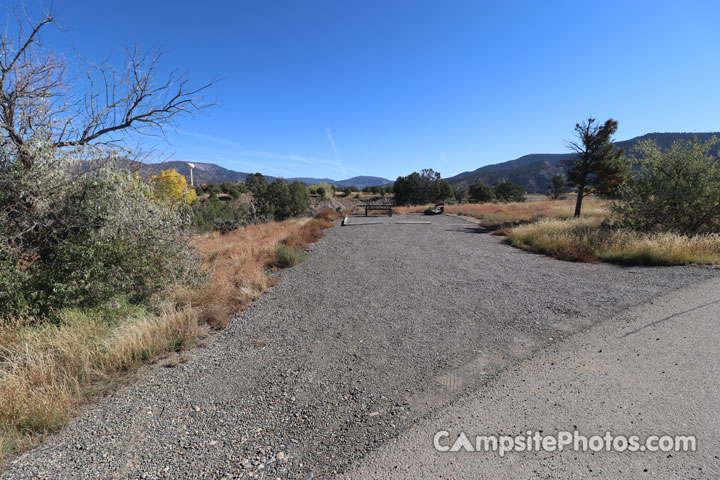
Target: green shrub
column 12, row 282
column 460, row 193
column 419, row 188
column 235, row 190
column 557, row 188
column 280, row 200
column 212, row 214
column 80, row 239
column 441, row 190
column 673, row 191
column 481, row 193
column 508, row 191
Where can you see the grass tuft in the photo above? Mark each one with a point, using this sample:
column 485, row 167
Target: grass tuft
column 288, row 257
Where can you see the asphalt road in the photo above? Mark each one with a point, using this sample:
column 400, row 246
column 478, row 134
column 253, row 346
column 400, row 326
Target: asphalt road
column 383, row 327
column 652, row 370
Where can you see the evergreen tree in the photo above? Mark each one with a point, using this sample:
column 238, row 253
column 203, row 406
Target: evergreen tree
column 598, row 167
column 481, row 193
column 557, row 188
column 508, row 191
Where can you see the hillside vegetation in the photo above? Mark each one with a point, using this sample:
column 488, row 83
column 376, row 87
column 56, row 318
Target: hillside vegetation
column 662, row 203
column 216, row 174
column 534, row 171
column 666, row 212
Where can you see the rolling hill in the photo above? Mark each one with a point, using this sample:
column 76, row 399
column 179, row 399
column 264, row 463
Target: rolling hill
column 533, row 171
column 211, row 173
column 360, row 182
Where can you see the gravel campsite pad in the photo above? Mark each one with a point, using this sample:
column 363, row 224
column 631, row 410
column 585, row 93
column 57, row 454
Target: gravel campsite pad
column 383, row 324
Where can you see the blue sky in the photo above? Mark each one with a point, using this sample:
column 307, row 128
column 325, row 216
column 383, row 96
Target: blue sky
column 343, row 88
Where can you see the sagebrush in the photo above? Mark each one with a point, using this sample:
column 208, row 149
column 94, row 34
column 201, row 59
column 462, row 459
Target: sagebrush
column 80, row 233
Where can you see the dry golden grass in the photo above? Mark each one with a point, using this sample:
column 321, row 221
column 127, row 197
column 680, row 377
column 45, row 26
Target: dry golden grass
column 236, row 262
column 585, row 240
column 496, row 215
column 47, row 370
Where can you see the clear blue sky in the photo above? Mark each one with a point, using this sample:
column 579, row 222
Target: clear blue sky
column 363, row 87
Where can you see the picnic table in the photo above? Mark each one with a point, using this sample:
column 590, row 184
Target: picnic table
column 377, row 206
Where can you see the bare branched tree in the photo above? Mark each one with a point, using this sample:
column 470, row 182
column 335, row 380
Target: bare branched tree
column 39, row 100
column 53, row 115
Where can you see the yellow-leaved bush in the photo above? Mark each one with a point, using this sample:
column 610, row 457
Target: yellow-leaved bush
column 171, row 188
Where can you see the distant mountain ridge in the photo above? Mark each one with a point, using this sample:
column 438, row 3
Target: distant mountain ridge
column 534, row 171
column 360, row 182
column 211, row 173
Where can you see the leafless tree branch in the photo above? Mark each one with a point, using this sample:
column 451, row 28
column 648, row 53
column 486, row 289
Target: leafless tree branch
column 103, row 105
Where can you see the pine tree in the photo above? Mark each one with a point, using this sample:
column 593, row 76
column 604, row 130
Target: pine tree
column 598, row 167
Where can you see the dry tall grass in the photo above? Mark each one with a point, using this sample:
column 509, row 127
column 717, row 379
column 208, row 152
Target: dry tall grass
column 495, row 215
column 585, row 240
column 47, row 370
column 236, row 263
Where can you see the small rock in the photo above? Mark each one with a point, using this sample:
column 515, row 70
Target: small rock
column 281, row 456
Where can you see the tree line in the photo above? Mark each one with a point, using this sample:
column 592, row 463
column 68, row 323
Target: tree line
column 428, row 186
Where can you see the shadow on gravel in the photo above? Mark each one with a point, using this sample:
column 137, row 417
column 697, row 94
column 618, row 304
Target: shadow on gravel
column 472, row 228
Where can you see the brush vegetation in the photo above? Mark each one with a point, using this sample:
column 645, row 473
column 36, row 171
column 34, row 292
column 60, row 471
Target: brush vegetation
column 49, row 368
column 588, row 240
column 667, row 212
column 288, row 257
column 99, row 271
